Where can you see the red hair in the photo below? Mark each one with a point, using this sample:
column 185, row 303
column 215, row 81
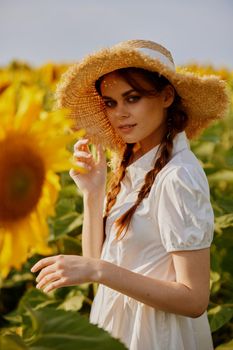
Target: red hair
column 176, row 122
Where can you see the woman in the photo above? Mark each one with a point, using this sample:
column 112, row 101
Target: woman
column 150, row 254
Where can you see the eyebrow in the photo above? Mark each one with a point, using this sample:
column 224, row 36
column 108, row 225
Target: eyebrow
column 126, row 93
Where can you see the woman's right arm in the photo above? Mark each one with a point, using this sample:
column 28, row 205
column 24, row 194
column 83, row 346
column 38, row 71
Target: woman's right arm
column 92, row 185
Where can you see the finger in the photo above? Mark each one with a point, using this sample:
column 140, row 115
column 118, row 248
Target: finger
column 83, row 157
column 43, row 262
column 47, row 279
column 81, row 154
column 53, row 285
column 83, row 165
column 81, row 144
column 85, row 147
column 45, row 271
column 100, row 153
column 74, row 173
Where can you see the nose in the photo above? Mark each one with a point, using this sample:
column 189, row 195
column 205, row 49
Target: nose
column 121, row 111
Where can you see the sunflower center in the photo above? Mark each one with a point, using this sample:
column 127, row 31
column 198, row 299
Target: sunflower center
column 22, row 174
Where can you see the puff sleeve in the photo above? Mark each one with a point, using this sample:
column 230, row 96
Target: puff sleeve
column 184, row 212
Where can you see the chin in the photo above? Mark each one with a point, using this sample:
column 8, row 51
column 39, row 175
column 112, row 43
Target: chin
column 130, row 139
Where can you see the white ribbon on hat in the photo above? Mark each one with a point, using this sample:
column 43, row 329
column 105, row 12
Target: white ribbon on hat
column 156, row 54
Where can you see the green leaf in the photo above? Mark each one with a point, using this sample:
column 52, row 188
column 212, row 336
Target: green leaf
column 69, row 191
column 35, row 297
column 59, row 330
column 218, row 316
column 214, row 278
column 204, row 149
column 229, row 157
column 223, row 222
column 12, row 342
column 65, row 178
column 70, row 245
column 61, row 293
column 221, row 175
column 66, row 224
column 64, row 206
column 17, row 278
column 226, row 346
column 14, row 318
column 225, row 203
column 73, row 301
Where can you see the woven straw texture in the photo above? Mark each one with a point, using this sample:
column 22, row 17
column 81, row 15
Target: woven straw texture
column 204, row 98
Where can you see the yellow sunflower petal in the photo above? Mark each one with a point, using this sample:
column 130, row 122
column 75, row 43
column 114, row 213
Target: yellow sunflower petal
column 33, row 146
column 28, row 110
column 39, row 231
column 6, row 252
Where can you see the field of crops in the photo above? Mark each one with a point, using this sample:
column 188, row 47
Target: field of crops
column 43, row 216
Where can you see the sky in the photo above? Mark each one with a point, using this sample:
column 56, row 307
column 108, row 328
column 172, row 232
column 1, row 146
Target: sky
column 40, row 31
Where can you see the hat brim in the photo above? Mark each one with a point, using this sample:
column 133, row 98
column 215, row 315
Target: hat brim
column 204, row 98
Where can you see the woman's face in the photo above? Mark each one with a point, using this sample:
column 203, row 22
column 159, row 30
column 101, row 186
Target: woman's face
column 136, row 118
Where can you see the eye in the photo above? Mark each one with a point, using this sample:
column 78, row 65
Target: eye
column 133, row 99
column 109, row 103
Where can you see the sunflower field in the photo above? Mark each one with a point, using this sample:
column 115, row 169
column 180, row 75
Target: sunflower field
column 41, row 213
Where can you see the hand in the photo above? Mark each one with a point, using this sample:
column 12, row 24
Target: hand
column 64, row 270
column 95, row 178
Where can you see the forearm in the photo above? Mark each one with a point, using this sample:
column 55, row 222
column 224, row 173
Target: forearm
column 92, row 231
column 172, row 297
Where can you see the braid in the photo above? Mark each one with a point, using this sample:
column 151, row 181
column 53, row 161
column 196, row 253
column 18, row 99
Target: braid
column 176, row 122
column 165, row 148
column 115, row 181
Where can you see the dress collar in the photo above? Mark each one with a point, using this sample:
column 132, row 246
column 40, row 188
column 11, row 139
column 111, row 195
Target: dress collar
column 136, row 171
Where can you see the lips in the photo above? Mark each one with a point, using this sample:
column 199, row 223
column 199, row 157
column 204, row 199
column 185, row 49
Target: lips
column 126, row 126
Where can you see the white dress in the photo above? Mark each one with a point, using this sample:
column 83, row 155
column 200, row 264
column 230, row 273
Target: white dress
column 177, row 215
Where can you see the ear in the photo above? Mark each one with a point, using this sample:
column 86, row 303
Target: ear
column 168, row 95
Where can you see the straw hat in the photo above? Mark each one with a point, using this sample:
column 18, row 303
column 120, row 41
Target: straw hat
column 205, row 98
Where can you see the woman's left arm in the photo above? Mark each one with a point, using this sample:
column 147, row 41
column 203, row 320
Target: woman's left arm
column 188, row 295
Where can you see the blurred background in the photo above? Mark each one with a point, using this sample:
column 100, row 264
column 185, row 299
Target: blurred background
column 41, row 209
column 59, row 30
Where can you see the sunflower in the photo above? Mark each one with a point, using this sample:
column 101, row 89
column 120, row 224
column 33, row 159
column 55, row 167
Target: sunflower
column 32, row 151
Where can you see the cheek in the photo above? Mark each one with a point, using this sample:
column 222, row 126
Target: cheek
column 148, row 108
column 111, row 117
column 156, row 113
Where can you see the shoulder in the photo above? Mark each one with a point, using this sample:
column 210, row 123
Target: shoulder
column 184, row 169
